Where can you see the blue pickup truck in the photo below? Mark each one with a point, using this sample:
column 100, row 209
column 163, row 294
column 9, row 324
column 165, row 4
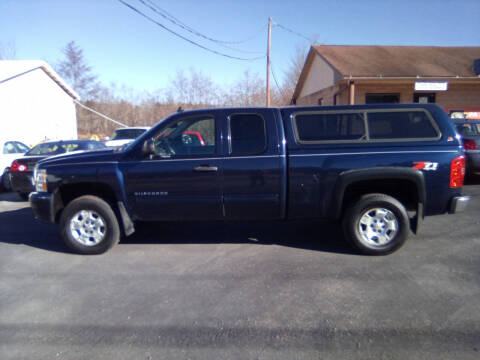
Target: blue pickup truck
column 379, row 169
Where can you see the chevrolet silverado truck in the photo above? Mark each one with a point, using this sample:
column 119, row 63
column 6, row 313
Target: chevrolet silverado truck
column 378, row 169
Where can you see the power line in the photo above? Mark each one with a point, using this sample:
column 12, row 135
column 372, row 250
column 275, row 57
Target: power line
column 293, row 32
column 154, row 7
column 98, row 113
column 185, row 38
column 276, row 82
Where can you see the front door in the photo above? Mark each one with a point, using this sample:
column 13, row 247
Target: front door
column 182, row 179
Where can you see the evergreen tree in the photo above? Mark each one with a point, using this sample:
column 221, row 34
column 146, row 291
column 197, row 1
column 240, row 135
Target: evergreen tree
column 76, row 72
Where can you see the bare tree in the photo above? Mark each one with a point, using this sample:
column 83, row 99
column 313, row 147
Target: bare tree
column 292, row 74
column 247, row 91
column 74, row 69
column 193, row 89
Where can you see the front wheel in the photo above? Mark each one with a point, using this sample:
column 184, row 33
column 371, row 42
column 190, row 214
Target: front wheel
column 88, row 225
column 376, row 224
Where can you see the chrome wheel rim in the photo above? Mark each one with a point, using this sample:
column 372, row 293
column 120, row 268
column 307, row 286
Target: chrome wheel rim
column 378, row 227
column 87, row 227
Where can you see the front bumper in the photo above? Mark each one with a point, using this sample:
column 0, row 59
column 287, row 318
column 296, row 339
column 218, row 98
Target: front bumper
column 42, row 204
column 458, row 204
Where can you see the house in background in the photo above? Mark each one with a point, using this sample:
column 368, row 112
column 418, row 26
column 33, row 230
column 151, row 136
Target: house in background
column 35, row 103
column 341, row 75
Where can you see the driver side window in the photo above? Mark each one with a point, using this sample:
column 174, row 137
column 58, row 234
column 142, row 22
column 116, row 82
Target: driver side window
column 187, row 137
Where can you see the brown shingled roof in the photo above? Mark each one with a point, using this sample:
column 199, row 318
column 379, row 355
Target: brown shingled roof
column 400, row 61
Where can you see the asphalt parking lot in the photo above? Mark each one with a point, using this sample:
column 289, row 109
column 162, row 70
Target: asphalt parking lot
column 239, row 291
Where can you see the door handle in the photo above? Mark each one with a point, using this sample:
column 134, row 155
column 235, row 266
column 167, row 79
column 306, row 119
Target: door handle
column 205, row 168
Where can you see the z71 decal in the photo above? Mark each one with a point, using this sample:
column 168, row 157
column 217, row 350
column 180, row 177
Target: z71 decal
column 425, row 165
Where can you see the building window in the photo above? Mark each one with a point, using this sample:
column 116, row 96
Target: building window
column 382, row 98
column 424, row 98
column 457, row 114
column 335, row 99
column 320, row 102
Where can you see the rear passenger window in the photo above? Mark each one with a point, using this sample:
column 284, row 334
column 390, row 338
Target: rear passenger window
column 247, row 134
column 10, row 148
column 400, row 125
column 314, row 128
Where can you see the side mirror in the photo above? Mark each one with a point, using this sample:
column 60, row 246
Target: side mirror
column 148, row 147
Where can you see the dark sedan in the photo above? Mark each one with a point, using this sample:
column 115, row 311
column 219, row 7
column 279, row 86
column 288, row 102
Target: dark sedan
column 21, row 169
column 470, row 131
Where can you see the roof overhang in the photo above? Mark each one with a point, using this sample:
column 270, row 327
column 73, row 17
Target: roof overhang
column 409, row 80
column 33, row 65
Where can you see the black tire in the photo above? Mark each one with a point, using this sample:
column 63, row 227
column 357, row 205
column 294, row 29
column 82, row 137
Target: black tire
column 23, row 195
column 382, row 211
column 5, row 183
column 99, row 208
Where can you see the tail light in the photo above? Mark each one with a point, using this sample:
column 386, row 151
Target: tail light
column 18, row 167
column 470, row 144
column 457, row 172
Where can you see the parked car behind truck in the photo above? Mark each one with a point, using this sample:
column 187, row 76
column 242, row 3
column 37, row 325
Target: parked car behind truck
column 470, row 131
column 9, row 150
column 21, row 169
column 366, row 165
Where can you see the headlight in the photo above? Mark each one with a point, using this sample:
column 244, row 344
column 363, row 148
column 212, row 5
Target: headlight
column 40, row 180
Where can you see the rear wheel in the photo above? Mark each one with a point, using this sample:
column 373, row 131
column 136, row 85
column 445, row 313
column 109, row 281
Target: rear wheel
column 376, row 224
column 88, row 225
column 5, row 183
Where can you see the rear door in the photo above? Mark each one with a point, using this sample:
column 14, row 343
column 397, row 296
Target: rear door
column 253, row 165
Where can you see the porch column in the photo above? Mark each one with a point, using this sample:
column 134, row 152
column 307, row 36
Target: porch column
column 351, row 93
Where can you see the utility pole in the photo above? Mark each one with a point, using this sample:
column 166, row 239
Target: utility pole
column 268, row 59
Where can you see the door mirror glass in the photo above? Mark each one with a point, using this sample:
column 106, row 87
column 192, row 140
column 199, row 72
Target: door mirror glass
column 148, row 147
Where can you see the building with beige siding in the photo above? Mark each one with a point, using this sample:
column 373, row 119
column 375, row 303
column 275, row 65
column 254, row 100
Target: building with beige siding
column 341, row 75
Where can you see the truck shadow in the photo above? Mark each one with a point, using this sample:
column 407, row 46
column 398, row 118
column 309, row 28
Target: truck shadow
column 308, row 235
column 20, row 227
column 10, row 197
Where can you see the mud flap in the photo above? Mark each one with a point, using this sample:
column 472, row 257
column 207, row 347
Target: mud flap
column 417, row 219
column 127, row 222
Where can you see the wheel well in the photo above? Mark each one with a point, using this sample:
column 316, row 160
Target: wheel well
column 403, row 190
column 69, row 192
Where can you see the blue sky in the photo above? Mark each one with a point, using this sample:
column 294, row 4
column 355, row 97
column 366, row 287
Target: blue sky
column 124, row 48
